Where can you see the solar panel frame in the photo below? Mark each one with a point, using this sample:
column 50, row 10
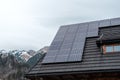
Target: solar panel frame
column 66, row 46
column 78, row 44
column 69, row 42
column 52, row 52
column 75, row 57
column 75, row 51
column 93, row 29
column 115, row 21
column 61, row 58
column 104, row 23
column 60, row 38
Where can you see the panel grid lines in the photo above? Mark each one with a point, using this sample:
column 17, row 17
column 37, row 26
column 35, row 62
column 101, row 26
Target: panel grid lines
column 73, row 43
column 45, row 60
column 71, row 29
column 61, row 45
column 68, row 44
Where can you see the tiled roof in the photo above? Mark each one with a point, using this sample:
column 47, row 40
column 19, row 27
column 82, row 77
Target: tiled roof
column 92, row 59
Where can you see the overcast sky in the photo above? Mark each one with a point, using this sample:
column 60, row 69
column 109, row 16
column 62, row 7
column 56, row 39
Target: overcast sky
column 32, row 24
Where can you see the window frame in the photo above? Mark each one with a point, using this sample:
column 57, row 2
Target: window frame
column 110, row 45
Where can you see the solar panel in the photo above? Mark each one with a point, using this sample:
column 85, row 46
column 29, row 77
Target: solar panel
column 115, row 21
column 52, row 52
column 104, row 23
column 93, row 29
column 78, row 44
column 69, row 42
column 64, row 52
column 55, row 46
column 61, row 58
column 75, row 57
column 48, row 59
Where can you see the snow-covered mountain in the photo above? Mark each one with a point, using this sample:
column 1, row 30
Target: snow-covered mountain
column 39, row 56
column 14, row 63
column 23, row 55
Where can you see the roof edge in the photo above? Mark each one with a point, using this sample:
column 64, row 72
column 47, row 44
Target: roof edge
column 92, row 21
column 71, row 72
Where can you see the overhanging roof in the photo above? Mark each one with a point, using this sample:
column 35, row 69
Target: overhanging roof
column 92, row 58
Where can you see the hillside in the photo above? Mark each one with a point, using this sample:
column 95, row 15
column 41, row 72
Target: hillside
column 11, row 69
column 14, row 64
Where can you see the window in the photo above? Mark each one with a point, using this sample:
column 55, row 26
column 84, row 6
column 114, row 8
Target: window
column 111, row 48
column 117, row 48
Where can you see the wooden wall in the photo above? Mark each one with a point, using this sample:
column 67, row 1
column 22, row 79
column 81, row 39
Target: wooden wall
column 95, row 76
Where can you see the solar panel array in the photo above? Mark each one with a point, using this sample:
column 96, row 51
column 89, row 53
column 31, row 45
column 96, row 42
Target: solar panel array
column 68, row 44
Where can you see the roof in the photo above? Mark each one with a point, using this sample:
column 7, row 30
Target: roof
column 92, row 57
column 68, row 44
column 106, row 37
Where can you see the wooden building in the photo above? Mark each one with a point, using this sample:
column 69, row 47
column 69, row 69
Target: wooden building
column 84, row 51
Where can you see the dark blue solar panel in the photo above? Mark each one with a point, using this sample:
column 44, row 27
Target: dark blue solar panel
column 78, row 44
column 60, row 34
column 75, row 51
column 55, row 46
column 75, row 57
column 69, row 38
column 63, row 55
column 61, row 58
column 52, row 52
column 93, row 29
column 104, row 23
column 64, row 52
column 66, row 46
column 48, row 59
column 56, row 42
column 115, row 21
column 80, row 37
column 69, row 42
column 92, row 34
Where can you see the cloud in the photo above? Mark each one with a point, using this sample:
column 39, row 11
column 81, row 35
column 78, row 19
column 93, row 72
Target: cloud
column 32, row 24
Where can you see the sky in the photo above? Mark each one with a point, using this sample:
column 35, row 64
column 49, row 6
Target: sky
column 32, row 24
